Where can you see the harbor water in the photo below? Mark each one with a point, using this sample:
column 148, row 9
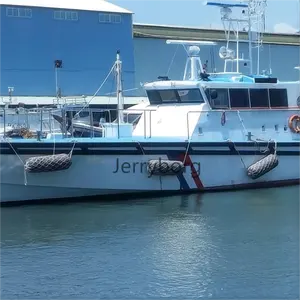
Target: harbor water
column 235, row 245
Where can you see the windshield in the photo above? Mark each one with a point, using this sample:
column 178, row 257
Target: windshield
column 175, row 96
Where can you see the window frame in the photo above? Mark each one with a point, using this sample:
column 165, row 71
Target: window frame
column 265, row 90
column 18, row 12
column 226, row 91
column 286, row 100
column 108, row 18
column 62, row 15
column 177, row 96
column 239, row 89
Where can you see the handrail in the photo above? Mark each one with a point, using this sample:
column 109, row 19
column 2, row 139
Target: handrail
column 44, row 121
column 41, row 112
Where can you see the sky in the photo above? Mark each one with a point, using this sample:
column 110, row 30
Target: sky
column 283, row 16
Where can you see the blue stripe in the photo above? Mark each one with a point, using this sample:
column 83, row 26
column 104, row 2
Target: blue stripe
column 183, row 183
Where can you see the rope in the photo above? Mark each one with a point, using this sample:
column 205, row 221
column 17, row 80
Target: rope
column 71, row 152
column 97, row 91
column 172, row 60
column 256, row 141
column 240, row 156
column 54, row 145
column 275, row 147
column 242, row 122
column 186, row 152
column 141, row 147
column 75, row 141
column 19, row 157
column 100, row 87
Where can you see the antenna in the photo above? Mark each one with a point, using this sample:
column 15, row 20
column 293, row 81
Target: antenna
column 252, row 19
column 257, row 20
column 193, row 66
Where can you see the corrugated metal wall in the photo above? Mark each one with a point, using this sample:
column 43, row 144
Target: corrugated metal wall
column 87, row 48
column 154, row 58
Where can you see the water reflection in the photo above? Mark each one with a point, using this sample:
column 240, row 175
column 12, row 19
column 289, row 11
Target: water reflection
column 225, row 245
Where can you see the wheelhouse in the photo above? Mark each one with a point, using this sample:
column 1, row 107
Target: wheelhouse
column 218, row 95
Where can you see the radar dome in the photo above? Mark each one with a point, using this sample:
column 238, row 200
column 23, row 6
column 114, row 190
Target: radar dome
column 194, row 50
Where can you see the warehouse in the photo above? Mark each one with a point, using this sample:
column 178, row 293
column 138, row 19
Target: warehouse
column 84, row 38
column 64, row 47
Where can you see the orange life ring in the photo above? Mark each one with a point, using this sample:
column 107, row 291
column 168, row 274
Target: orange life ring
column 294, row 123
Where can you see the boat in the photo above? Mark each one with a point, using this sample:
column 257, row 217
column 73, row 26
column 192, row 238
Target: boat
column 204, row 132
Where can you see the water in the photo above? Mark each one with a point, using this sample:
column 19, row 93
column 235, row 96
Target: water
column 242, row 245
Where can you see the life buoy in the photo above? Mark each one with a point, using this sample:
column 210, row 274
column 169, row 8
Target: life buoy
column 294, row 123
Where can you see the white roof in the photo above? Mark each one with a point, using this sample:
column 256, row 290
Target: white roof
column 90, row 5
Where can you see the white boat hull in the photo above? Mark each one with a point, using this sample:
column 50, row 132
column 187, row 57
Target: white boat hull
column 91, row 175
column 25, row 193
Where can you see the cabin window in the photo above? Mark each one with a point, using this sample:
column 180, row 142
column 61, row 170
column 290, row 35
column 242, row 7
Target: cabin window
column 239, row 98
column 132, row 118
column 175, row 96
column 218, row 98
column 259, row 98
column 278, row 97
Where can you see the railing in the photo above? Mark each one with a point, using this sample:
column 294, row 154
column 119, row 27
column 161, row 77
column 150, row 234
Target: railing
column 70, row 101
column 41, row 120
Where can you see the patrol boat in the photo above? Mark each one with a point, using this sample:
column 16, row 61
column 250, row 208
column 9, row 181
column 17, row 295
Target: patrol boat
column 218, row 131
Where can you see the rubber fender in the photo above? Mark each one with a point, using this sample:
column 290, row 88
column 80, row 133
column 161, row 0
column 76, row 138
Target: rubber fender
column 165, row 167
column 48, row 163
column 262, row 166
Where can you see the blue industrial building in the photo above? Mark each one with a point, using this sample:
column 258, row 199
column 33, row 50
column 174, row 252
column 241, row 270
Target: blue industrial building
column 82, row 37
column 76, row 39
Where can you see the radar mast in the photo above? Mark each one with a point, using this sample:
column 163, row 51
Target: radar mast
column 251, row 20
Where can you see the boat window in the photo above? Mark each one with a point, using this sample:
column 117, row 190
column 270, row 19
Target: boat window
column 278, row 97
column 239, row 98
column 132, row 118
column 259, row 98
column 154, row 97
column 175, row 96
column 168, row 96
column 190, row 95
column 218, row 98
column 84, row 114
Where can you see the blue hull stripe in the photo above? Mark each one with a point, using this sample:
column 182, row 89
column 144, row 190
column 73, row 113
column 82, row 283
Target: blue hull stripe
column 183, row 183
column 134, row 148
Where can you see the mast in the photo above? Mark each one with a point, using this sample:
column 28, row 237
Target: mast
column 193, row 66
column 257, row 21
column 120, row 98
column 252, row 19
column 232, row 24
